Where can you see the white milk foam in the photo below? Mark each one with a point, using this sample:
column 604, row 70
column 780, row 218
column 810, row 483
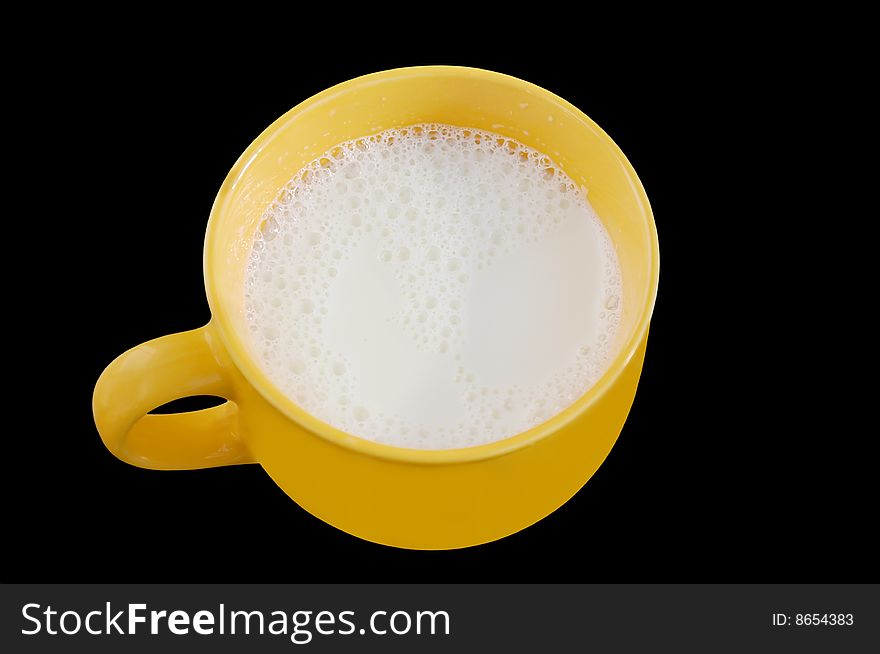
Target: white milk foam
column 432, row 287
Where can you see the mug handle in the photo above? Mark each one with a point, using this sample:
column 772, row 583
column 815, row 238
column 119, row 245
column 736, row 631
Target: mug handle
column 159, row 371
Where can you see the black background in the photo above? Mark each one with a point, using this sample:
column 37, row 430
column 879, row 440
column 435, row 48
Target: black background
column 714, row 477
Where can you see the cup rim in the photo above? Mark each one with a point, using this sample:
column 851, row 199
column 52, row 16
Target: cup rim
column 237, row 349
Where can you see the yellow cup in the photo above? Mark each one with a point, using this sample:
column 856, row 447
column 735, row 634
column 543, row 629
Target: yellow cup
column 421, row 499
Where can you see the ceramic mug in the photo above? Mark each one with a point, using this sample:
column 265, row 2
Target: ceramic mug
column 421, row 499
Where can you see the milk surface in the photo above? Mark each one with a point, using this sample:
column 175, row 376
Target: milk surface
column 432, row 287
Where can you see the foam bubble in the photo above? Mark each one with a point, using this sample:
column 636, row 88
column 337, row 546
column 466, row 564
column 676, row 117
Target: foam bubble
column 432, row 287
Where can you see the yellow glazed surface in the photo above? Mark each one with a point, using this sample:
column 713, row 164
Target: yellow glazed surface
column 423, row 499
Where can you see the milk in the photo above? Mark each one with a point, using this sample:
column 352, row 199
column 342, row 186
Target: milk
column 433, row 287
